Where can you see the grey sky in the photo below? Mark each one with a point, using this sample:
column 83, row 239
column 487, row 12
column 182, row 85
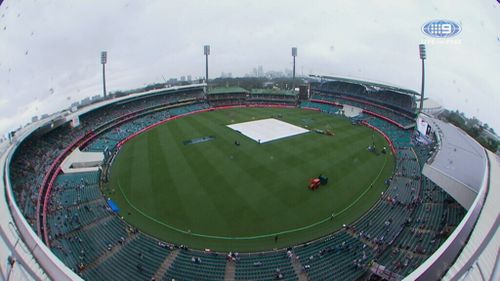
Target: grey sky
column 49, row 50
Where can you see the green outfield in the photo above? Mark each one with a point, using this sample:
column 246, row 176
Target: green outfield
column 214, row 194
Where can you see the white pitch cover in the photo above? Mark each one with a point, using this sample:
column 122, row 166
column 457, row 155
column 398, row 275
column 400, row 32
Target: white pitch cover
column 267, row 130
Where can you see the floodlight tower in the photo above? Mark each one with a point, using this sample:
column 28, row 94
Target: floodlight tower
column 206, row 52
column 294, row 54
column 423, row 56
column 104, row 60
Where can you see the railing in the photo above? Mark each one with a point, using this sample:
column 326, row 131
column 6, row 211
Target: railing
column 342, row 96
column 364, row 111
column 391, row 145
column 432, row 269
column 50, row 264
column 438, row 263
column 47, row 179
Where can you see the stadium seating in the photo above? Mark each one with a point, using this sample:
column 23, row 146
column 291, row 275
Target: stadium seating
column 394, row 98
column 264, row 266
column 433, row 220
column 196, row 265
column 137, row 259
column 397, row 116
column 400, row 138
column 409, row 222
column 227, row 96
column 326, row 108
column 338, row 257
column 85, row 245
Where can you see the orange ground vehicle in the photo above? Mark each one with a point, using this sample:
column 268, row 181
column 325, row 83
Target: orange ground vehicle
column 314, row 183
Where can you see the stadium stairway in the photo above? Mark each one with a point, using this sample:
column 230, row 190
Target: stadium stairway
column 264, row 266
column 404, row 120
column 381, row 234
column 210, row 266
column 299, row 269
column 139, row 259
column 339, row 257
column 100, row 221
column 101, row 259
column 165, row 265
column 230, row 272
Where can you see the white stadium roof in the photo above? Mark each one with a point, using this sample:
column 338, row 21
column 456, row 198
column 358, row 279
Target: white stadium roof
column 459, row 165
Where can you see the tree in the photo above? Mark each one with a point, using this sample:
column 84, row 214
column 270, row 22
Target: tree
column 472, row 126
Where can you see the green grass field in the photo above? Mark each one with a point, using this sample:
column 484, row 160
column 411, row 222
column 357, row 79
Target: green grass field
column 238, row 198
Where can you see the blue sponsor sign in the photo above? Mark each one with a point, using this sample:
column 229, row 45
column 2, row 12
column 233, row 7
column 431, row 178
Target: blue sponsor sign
column 441, row 28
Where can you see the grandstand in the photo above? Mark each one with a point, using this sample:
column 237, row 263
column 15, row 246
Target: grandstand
column 272, row 96
column 416, row 230
column 227, row 96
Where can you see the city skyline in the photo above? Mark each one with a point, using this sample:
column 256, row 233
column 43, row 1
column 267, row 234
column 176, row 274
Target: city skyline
column 50, row 59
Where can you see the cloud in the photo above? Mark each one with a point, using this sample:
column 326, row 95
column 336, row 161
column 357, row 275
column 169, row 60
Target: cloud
column 3, row 102
column 49, row 56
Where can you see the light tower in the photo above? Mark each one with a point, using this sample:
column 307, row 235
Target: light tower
column 294, row 54
column 423, row 56
column 206, row 52
column 104, row 60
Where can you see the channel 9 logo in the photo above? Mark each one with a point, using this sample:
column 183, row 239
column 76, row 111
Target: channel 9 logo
column 441, row 28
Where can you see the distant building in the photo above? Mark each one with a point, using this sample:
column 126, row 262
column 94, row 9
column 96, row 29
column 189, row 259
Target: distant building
column 269, row 84
column 85, row 101
column 260, row 71
column 432, row 107
column 304, row 92
column 274, row 74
